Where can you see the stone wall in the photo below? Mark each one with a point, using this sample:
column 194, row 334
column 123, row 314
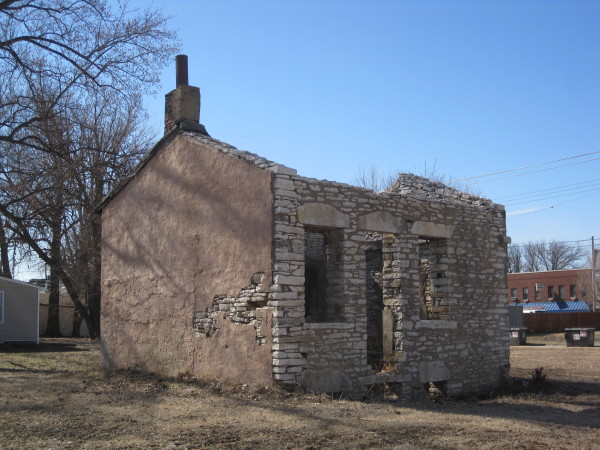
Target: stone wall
column 460, row 343
column 409, row 284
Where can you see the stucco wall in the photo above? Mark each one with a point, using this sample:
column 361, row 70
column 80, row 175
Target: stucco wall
column 192, row 224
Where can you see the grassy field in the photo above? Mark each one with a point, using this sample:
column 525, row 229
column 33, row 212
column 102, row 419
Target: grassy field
column 54, row 396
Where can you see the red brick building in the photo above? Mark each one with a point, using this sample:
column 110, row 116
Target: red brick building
column 547, row 286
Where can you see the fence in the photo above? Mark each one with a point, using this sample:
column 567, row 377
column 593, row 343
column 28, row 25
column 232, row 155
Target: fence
column 560, row 321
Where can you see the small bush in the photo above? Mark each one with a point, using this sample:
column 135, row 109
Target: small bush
column 538, row 377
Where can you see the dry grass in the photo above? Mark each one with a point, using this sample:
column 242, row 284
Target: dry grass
column 54, row 396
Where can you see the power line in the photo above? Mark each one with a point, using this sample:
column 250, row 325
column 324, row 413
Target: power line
column 551, row 207
column 527, row 173
column 569, row 247
column 556, row 242
column 573, row 200
column 552, row 197
column 525, row 167
column 526, row 194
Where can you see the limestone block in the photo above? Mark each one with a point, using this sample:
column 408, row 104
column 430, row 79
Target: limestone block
column 433, row 371
column 278, row 168
column 284, row 377
column 283, row 183
column 289, row 362
column 431, row 229
column 322, row 215
column 285, row 279
column 382, row 221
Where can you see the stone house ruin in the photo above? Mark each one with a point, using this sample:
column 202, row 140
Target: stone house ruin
column 217, row 262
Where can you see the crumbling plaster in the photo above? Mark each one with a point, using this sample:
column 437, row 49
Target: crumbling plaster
column 193, row 224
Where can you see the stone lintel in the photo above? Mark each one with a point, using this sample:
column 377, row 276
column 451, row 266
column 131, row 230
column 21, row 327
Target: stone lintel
column 322, row 215
column 432, row 230
column 381, row 221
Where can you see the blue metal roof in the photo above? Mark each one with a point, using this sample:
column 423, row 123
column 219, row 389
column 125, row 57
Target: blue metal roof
column 560, row 306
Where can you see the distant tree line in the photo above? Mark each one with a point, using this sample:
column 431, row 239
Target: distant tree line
column 535, row 256
column 72, row 125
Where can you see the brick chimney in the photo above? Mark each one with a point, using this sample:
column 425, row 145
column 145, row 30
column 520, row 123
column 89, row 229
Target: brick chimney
column 182, row 105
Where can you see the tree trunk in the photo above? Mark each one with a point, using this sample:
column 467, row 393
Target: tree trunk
column 94, row 293
column 53, row 325
column 5, row 266
column 76, row 324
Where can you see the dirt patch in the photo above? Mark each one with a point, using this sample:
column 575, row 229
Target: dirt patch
column 55, row 396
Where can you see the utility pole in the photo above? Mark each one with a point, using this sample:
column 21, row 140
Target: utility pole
column 593, row 276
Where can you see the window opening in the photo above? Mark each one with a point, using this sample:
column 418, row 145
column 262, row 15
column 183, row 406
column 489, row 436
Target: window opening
column 315, row 275
column 374, row 296
column 550, row 292
column 513, row 293
column 562, row 292
column 573, row 291
column 525, row 293
column 433, row 267
column 323, row 275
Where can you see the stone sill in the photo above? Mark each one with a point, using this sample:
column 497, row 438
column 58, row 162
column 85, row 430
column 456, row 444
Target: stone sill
column 328, row 325
column 439, row 324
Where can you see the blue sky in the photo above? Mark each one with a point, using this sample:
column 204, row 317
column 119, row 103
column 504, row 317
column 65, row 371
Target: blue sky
column 467, row 87
column 463, row 87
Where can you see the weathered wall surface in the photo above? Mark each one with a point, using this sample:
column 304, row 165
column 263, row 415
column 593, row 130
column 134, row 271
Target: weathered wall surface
column 193, row 224
column 20, row 312
column 464, row 351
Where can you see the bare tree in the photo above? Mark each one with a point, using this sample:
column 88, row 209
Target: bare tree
column 49, row 197
column 71, row 75
column 373, row 178
column 515, row 259
column 67, row 45
column 531, row 256
column 535, row 256
column 560, row 255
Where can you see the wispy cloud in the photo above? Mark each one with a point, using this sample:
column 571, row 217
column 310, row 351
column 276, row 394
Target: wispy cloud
column 525, row 211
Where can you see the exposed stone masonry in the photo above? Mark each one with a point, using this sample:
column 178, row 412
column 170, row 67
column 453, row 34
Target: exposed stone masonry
column 433, row 281
column 240, row 310
column 464, row 350
column 416, row 186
